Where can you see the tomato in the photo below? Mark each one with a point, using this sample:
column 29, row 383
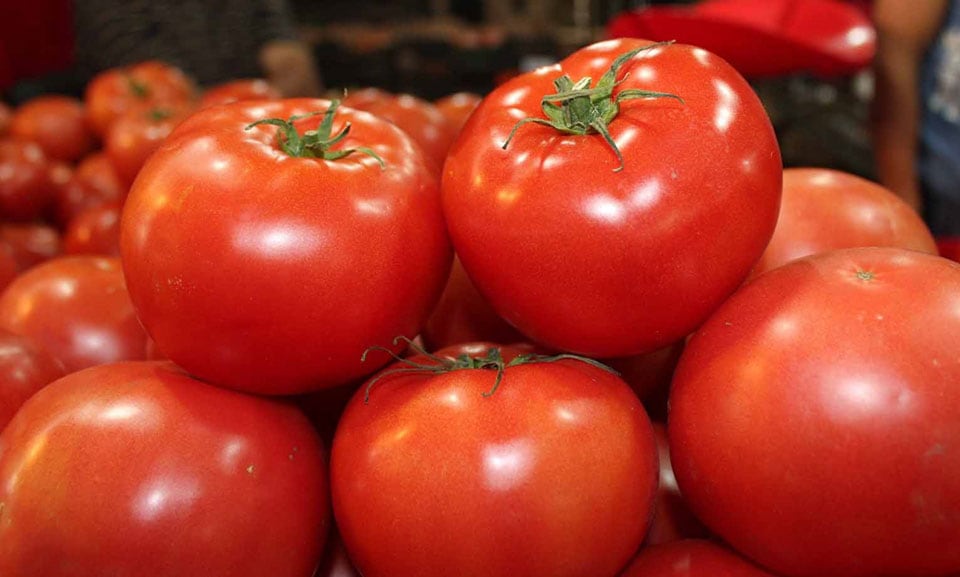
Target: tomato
column 9, row 268
column 584, row 253
column 25, row 368
column 272, row 273
column 551, row 474
column 813, row 419
column 5, row 115
column 167, row 477
column 31, row 244
column 97, row 173
column 458, row 107
column 57, row 124
column 691, row 558
column 336, row 562
column 649, row 375
column 672, row 519
column 236, row 90
column 78, row 309
column 462, row 315
column 133, row 137
column 114, row 92
column 364, row 97
column 94, row 231
column 825, row 209
column 25, row 187
column 949, row 247
column 420, row 119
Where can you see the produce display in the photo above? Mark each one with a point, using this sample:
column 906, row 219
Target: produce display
column 586, row 325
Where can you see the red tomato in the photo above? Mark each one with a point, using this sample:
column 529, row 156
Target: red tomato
column 691, row 559
column 462, row 315
column 57, row 124
column 271, row 273
column 813, row 419
column 78, row 309
column 97, row 173
column 25, row 187
column 31, row 243
column 167, row 477
column 9, row 268
column 824, row 210
column 672, row 519
column 5, row 115
column 949, row 247
column 94, row 231
column 364, row 97
column 25, row 368
column 237, row 90
column 552, row 474
column 114, row 92
column 336, row 562
column 421, row 120
column 458, row 107
column 94, row 183
column 582, row 252
column 133, row 137
column 649, row 374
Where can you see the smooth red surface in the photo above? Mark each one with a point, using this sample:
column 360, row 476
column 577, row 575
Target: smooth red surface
column 825, row 210
column 649, row 374
column 263, row 272
column 31, row 244
column 581, row 258
column 136, row 469
column 25, row 368
column 9, row 268
column 336, row 562
column 236, row 90
column 420, row 119
column 763, row 37
column 112, row 93
column 458, row 107
column 672, row 519
column 949, row 247
column 94, row 231
column 133, row 137
column 56, row 123
column 97, row 172
column 5, row 114
column 77, row 308
column 554, row 474
column 691, row 558
column 813, row 419
column 26, row 190
column 462, row 315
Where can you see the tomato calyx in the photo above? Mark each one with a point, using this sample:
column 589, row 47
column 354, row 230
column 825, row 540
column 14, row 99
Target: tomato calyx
column 138, row 88
column 159, row 114
column 579, row 109
column 315, row 143
column 491, row 360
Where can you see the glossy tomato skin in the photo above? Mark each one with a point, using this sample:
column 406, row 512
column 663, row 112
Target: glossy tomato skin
column 813, row 419
column 582, row 258
column 552, row 475
column 78, row 308
column 268, row 273
column 94, row 231
column 237, row 90
column 825, row 210
column 691, row 558
column 25, row 368
column 9, row 268
column 98, row 173
column 672, row 518
column 32, row 243
column 5, row 115
column 133, row 137
column 26, row 190
column 116, row 91
column 57, row 124
column 458, row 107
column 168, row 477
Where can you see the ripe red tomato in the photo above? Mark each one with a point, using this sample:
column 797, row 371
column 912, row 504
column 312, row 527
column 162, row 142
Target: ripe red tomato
column 813, row 419
column 133, row 137
column 114, row 92
column 420, row 119
column 364, row 97
column 462, row 315
column 94, row 231
column 5, row 115
column 97, row 173
column 31, row 244
column 691, row 558
column 824, row 210
column 9, row 268
column 167, row 477
column 582, row 252
column 237, row 90
column 672, row 519
column 25, row 187
column 78, row 309
column 949, row 247
column 336, row 562
column 57, row 124
column 25, row 368
column 649, row 375
column 458, row 107
column 552, row 474
column 272, row 273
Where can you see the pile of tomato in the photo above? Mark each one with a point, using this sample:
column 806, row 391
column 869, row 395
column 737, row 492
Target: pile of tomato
column 585, row 326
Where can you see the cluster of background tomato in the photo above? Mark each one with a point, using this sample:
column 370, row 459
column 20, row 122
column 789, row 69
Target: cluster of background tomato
column 813, row 413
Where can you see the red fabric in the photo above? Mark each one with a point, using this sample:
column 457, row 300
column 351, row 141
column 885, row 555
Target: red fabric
column 36, row 38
